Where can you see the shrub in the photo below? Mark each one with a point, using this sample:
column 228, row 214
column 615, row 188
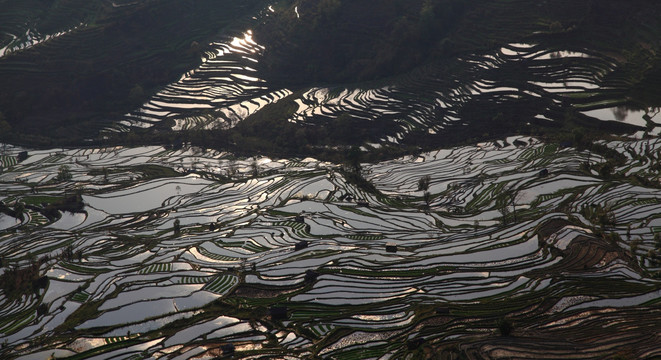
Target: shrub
column 423, row 183
column 177, row 226
column 64, row 173
column 505, row 326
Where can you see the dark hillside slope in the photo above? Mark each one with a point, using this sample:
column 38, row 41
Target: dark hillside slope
column 347, row 41
column 72, row 85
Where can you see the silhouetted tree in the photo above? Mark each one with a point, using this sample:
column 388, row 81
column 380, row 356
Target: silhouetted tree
column 177, row 226
column 427, row 197
column 64, row 173
column 505, row 326
column 19, row 208
column 423, row 183
column 5, row 128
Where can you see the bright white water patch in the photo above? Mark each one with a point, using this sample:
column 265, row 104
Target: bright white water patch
column 69, row 221
column 148, row 196
column 299, row 233
column 563, row 54
column 58, row 289
column 150, row 293
column 633, row 117
column 150, row 325
column 7, row 221
column 56, row 353
column 138, row 312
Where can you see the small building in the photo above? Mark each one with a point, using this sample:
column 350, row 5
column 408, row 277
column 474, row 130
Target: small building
column 22, row 156
column 227, row 349
column 278, row 312
column 311, row 276
column 301, row 245
column 391, row 247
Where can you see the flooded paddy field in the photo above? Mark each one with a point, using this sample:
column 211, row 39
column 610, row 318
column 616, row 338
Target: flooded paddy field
column 512, row 248
column 196, row 254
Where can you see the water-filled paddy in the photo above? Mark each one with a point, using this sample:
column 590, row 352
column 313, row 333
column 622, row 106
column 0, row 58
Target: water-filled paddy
column 295, row 239
column 7, row 221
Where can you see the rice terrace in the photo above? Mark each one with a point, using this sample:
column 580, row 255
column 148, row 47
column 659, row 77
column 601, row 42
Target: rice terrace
column 298, row 179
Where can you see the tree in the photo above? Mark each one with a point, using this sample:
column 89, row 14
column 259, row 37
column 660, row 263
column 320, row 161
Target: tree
column 5, row 128
column 505, row 326
column 427, row 21
column 42, row 309
column 19, row 208
column 64, row 173
column 555, row 27
column 232, row 169
column 423, row 183
column 67, row 253
column 504, row 212
column 254, row 168
column 635, row 244
column 606, row 170
column 177, row 226
column 137, row 93
column 427, row 198
column 514, row 196
column 353, row 158
column 509, row 197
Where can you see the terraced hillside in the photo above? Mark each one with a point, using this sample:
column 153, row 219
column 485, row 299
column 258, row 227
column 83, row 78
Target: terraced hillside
column 519, row 225
column 70, row 68
column 514, row 248
column 403, row 73
column 536, row 78
column 500, row 66
column 24, row 24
